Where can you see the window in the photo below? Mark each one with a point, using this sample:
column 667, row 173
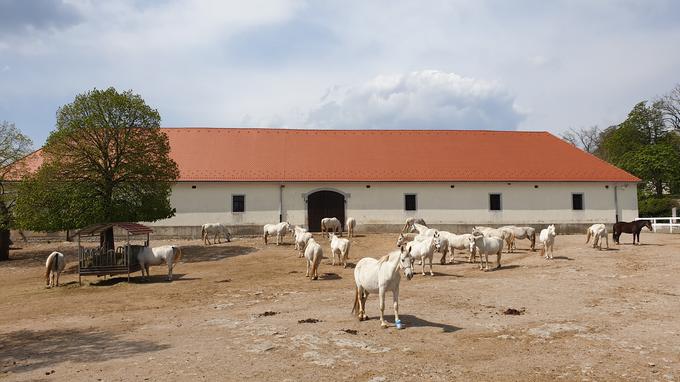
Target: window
column 410, row 202
column 238, row 203
column 577, row 202
column 495, row 202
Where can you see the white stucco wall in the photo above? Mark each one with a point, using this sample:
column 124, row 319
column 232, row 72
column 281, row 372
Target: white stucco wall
column 383, row 203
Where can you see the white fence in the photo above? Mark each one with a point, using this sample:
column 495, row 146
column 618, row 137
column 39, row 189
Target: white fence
column 669, row 222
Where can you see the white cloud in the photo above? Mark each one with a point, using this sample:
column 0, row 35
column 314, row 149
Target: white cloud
column 426, row 99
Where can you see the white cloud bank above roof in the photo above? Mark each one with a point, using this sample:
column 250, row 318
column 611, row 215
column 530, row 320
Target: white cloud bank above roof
column 427, row 99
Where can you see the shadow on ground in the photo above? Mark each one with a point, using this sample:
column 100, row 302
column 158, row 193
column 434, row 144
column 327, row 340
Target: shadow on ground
column 199, row 253
column 415, row 322
column 27, row 350
column 138, row 279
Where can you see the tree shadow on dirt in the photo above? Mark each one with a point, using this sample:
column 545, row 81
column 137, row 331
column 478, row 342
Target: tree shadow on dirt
column 26, row 350
column 199, row 253
column 330, row 276
column 415, row 322
column 563, row 258
column 138, row 279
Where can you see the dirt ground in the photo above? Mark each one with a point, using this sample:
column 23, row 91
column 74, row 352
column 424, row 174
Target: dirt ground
column 587, row 315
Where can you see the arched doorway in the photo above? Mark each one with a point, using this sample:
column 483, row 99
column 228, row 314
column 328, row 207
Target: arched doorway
column 324, row 204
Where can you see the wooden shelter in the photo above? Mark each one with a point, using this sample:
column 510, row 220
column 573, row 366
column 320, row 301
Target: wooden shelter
column 102, row 262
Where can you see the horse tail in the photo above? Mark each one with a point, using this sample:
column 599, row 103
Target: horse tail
column 588, row 235
column 178, row 254
column 543, row 249
column 48, row 266
column 264, row 236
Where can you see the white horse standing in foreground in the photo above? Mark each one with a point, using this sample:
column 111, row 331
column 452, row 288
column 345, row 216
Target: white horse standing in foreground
column 598, row 232
column 169, row 254
column 380, row 276
column 313, row 255
column 279, row 229
column 216, row 230
column 350, row 224
column 547, row 237
column 54, row 265
column 340, row 246
column 486, row 245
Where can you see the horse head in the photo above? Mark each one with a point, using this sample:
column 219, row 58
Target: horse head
column 648, row 224
column 405, row 261
column 437, row 241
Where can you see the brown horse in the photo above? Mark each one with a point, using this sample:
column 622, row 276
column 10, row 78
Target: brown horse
column 633, row 227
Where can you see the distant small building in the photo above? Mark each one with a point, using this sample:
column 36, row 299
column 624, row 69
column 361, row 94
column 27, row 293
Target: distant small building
column 453, row 179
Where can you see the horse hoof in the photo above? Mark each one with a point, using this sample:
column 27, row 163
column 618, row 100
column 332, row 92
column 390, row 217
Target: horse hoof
column 383, row 325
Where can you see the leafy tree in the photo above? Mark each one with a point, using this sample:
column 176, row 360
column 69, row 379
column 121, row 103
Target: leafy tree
column 13, row 147
column 644, row 145
column 107, row 161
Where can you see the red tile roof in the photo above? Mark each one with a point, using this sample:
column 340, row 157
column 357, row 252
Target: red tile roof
column 254, row 154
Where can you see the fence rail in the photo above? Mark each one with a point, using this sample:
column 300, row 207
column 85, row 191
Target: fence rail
column 664, row 222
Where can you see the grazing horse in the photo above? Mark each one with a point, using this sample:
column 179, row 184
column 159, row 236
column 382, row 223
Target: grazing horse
column 54, row 265
column 339, row 246
column 350, row 224
column 598, row 232
column 216, row 230
column 169, row 254
column 328, row 224
column 279, row 229
column 424, row 250
column 547, row 238
column 485, row 245
column 380, row 276
column 313, row 255
column 410, row 224
column 633, row 227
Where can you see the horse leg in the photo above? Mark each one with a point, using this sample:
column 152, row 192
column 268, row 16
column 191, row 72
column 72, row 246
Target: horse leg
column 278, row 238
column 170, row 266
column 430, row 261
column 307, row 274
column 363, row 296
column 58, row 273
column 381, row 297
column 422, row 266
column 498, row 259
column 395, row 302
column 148, row 275
column 264, row 236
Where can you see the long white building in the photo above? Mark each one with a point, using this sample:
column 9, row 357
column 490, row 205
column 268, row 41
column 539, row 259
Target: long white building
column 453, row 179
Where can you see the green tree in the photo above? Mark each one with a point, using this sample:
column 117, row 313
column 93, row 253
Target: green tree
column 13, row 147
column 644, row 146
column 107, row 161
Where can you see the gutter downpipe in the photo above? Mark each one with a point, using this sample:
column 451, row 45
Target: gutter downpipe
column 281, row 202
column 616, row 203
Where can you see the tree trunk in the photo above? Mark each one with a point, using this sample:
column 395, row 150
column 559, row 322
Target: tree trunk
column 658, row 185
column 4, row 244
column 106, row 239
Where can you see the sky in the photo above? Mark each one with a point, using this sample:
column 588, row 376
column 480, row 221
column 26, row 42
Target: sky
column 429, row 64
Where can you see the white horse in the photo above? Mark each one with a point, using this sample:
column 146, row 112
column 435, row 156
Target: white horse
column 598, row 232
column 279, row 229
column 486, row 245
column 313, row 255
column 380, row 276
column 216, row 230
column 409, row 225
column 547, row 237
column 54, row 265
column 502, row 233
column 350, row 224
column 301, row 238
column 328, row 224
column 424, row 250
column 339, row 246
column 169, row 254
column 453, row 242
column 521, row 233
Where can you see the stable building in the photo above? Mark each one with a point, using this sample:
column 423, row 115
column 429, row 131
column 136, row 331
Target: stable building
column 454, row 179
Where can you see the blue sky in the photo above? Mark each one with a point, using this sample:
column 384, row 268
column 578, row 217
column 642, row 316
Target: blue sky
column 527, row 65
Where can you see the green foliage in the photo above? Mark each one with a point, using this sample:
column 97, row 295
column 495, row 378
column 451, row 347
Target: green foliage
column 13, row 146
column 107, row 161
column 656, row 207
column 644, row 146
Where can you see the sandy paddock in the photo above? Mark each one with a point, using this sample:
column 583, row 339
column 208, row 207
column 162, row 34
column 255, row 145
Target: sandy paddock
column 240, row 310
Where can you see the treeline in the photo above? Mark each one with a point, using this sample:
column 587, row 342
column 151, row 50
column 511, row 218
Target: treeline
column 646, row 144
